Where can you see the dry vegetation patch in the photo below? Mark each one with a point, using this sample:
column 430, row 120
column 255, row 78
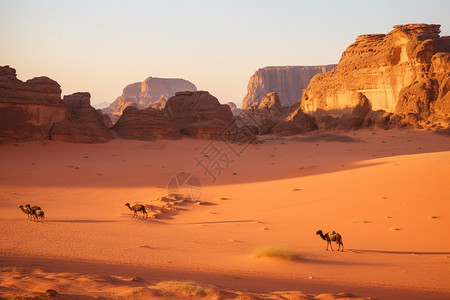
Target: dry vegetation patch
column 276, row 252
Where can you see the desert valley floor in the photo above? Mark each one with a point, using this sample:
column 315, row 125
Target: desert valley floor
column 387, row 195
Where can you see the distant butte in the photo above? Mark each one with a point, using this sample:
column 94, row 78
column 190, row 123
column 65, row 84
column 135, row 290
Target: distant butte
column 144, row 94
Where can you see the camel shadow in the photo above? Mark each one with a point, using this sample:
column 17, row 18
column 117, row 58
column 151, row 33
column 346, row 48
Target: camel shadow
column 219, row 222
column 399, row 252
column 335, row 263
column 81, row 221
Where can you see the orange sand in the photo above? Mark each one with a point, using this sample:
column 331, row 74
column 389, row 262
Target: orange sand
column 387, row 196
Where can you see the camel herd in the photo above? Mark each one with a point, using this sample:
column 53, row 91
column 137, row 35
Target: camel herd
column 34, row 213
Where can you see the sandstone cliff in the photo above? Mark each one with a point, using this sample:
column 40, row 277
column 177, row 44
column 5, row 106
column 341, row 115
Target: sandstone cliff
column 288, row 82
column 143, row 94
column 384, row 79
column 28, row 109
column 34, row 110
column 84, row 124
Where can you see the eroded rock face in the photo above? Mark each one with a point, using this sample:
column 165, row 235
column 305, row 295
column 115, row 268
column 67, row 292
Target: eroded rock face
column 84, row 123
column 288, row 82
column 143, row 94
column 199, row 114
column 33, row 110
column 28, row 109
column 146, row 124
column 266, row 115
column 404, row 73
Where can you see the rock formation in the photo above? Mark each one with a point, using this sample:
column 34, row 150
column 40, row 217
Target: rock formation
column 84, row 123
column 33, row 110
column 262, row 118
column 146, row 124
column 288, row 82
column 28, row 109
column 195, row 114
column 142, row 94
column 199, row 114
column 234, row 109
column 384, row 80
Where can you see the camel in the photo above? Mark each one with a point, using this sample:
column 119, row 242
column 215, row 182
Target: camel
column 38, row 213
column 33, row 208
column 26, row 211
column 331, row 236
column 136, row 208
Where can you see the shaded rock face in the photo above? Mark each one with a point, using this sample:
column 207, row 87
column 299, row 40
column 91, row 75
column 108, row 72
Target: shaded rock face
column 263, row 117
column 142, row 94
column 199, row 114
column 288, row 82
column 146, row 124
column 33, row 110
column 234, row 109
column 84, row 123
column 402, row 75
column 28, row 109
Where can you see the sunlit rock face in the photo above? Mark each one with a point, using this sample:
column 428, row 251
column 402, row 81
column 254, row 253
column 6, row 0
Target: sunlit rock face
column 404, row 73
column 288, row 82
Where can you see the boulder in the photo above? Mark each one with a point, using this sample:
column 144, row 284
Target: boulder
column 199, row 114
column 146, row 124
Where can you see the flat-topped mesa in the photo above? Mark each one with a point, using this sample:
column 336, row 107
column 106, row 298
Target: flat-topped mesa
column 287, row 81
column 143, row 94
column 402, row 72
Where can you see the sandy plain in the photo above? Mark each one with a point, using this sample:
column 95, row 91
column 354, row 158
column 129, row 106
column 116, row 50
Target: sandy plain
column 387, row 195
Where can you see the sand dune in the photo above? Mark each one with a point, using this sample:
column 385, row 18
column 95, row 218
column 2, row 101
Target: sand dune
column 387, row 196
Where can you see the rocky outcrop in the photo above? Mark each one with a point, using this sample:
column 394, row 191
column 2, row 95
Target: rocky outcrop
column 84, row 123
column 199, row 114
column 385, row 79
column 195, row 114
column 146, row 124
column 288, row 82
column 28, row 109
column 265, row 116
column 142, row 94
column 234, row 109
column 34, row 110
column 159, row 104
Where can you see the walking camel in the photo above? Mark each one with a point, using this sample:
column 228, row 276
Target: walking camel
column 331, row 236
column 136, row 208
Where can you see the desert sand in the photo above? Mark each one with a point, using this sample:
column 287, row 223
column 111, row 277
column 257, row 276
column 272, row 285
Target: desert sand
column 387, row 195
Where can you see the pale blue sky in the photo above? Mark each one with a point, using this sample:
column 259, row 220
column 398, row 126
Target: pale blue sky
column 101, row 46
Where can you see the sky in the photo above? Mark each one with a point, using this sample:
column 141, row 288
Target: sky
column 102, row 46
